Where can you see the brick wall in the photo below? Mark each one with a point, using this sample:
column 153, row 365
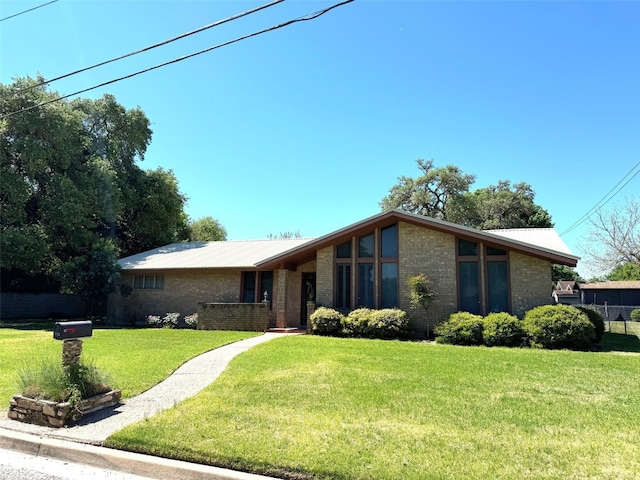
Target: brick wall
column 253, row 317
column 182, row 291
column 324, row 277
column 432, row 253
column 530, row 283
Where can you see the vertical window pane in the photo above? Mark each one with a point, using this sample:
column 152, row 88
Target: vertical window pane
column 138, row 281
column 498, row 286
column 249, row 287
column 365, row 285
column 469, row 288
column 149, row 281
column 389, row 239
column 467, row 248
column 266, row 285
column 159, row 281
column 365, row 246
column 344, row 250
column 389, row 285
column 343, row 286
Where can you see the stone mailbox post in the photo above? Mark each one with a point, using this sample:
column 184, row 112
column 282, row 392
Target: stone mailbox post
column 70, row 334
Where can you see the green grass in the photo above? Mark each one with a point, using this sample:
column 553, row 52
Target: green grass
column 135, row 359
column 304, row 407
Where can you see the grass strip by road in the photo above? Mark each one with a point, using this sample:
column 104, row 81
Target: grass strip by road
column 136, row 359
column 313, row 407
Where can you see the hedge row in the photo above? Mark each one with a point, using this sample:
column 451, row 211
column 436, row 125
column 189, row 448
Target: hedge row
column 548, row 326
column 388, row 323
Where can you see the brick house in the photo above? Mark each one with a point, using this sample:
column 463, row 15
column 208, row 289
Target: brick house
column 364, row 264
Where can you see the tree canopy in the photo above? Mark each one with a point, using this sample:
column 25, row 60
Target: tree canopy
column 69, row 181
column 206, row 229
column 445, row 193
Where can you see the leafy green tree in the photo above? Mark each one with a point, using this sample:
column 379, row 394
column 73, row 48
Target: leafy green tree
column 625, row 271
column 206, row 229
column 69, row 178
column 432, row 194
column 562, row 272
column 445, row 193
column 92, row 276
column 421, row 295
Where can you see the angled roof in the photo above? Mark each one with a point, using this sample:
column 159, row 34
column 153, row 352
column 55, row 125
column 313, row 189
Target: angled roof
column 612, row 285
column 549, row 247
column 288, row 253
column 229, row 254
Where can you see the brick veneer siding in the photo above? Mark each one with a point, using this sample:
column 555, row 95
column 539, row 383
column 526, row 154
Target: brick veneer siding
column 530, row 283
column 434, row 254
column 182, row 291
column 324, row 277
column 253, row 317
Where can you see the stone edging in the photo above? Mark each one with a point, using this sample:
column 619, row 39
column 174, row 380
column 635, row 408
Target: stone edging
column 54, row 414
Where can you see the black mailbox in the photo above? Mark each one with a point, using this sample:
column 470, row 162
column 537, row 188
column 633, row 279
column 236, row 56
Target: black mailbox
column 64, row 330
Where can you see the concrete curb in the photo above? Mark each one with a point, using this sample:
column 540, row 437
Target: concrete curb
column 117, row 460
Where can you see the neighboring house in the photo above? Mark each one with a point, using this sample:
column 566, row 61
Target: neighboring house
column 567, row 292
column 364, row 264
column 626, row 293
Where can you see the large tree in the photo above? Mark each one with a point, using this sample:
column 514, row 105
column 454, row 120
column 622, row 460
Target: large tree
column 445, row 193
column 613, row 238
column 206, row 229
column 69, row 179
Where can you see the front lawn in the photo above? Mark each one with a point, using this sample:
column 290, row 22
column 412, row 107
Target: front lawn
column 303, row 407
column 136, row 359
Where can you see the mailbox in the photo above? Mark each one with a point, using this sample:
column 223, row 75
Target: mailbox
column 64, row 330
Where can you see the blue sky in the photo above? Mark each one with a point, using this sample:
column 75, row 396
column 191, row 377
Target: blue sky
column 306, row 128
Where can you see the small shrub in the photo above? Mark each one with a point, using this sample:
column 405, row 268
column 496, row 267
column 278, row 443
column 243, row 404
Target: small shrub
column 557, row 327
column 389, row 323
column 461, row 328
column 502, row 330
column 326, row 321
column 191, row 320
column 170, row 320
column 154, row 320
column 635, row 315
column 357, row 323
column 596, row 319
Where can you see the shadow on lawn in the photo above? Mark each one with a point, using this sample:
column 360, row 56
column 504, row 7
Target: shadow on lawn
column 615, row 342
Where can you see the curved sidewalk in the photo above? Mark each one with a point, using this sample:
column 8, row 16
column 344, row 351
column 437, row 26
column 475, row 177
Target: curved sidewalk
column 185, row 382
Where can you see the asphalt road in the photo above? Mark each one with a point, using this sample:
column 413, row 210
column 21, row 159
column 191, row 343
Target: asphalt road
column 19, row 466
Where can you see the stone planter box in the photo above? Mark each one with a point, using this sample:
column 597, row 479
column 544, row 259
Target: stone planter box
column 53, row 414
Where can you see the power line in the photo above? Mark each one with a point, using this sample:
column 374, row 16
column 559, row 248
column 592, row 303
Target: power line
column 151, row 47
column 304, row 18
column 28, row 10
column 602, row 201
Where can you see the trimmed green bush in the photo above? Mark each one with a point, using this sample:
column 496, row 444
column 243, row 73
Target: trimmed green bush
column 558, row 327
column 596, row 319
column 635, row 315
column 461, row 328
column 326, row 321
column 502, row 330
column 357, row 323
column 389, row 323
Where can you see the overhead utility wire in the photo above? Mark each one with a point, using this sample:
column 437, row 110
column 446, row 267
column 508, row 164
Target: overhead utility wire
column 28, row 10
column 602, row 201
column 151, row 47
column 310, row 16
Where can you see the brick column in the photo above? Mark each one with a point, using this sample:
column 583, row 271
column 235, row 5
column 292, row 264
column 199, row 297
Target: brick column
column 281, row 299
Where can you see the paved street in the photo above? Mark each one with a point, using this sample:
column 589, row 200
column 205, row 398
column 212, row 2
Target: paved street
column 20, row 466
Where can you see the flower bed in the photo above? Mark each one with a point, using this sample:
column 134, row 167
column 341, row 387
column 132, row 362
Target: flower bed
column 58, row 414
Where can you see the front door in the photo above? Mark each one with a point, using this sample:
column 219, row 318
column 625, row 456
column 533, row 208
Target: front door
column 308, row 294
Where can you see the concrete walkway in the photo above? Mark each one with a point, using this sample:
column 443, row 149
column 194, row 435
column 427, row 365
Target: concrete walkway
column 81, row 442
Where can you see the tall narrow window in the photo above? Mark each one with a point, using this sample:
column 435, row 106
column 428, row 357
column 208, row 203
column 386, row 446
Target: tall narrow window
column 266, row 285
column 365, row 285
column 389, row 242
column 469, row 287
column 344, row 250
column 248, row 287
column 498, row 286
column 365, row 246
column 389, row 296
column 343, row 285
